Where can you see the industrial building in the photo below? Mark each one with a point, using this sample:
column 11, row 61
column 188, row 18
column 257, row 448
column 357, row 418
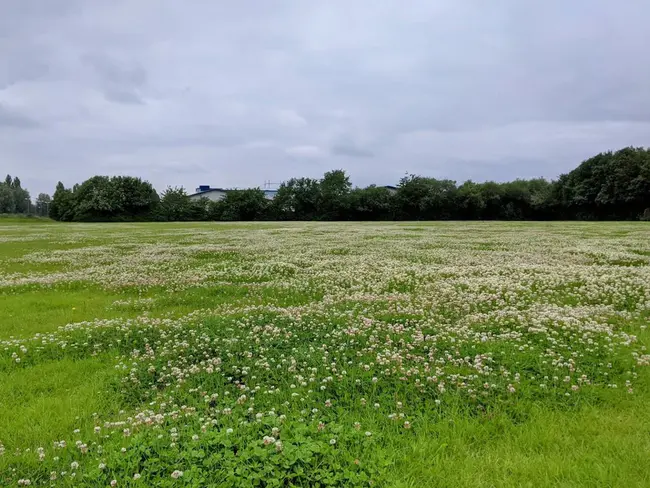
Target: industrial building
column 216, row 194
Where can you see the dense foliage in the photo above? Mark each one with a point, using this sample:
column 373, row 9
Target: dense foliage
column 609, row 186
column 13, row 197
column 103, row 198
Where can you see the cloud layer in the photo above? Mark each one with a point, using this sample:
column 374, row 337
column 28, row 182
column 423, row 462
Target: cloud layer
column 233, row 94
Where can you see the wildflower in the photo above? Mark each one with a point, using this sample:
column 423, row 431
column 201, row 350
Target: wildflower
column 137, row 476
column 278, row 446
column 74, row 465
column 268, row 440
column 368, row 433
column 113, row 482
column 177, row 474
column 332, row 441
column 407, row 425
column 357, row 425
column 229, row 431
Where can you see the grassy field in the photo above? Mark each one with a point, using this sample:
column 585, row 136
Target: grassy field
column 318, row 354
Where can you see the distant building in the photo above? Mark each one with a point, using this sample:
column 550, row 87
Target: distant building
column 216, row 194
column 205, row 191
column 270, row 194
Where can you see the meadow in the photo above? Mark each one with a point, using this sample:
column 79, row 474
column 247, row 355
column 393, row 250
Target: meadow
column 482, row 354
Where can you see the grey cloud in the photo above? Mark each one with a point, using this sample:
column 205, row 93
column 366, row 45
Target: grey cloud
column 10, row 118
column 120, row 81
column 347, row 147
column 115, row 72
column 21, row 67
column 309, row 152
column 233, row 95
column 122, row 96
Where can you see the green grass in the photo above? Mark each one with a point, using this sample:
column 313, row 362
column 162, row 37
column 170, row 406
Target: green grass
column 588, row 447
column 49, row 400
column 33, row 311
column 181, row 320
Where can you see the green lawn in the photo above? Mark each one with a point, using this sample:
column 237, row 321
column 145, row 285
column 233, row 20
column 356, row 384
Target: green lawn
column 480, row 354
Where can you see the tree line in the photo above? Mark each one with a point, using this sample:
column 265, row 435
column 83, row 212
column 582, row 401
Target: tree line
column 14, row 199
column 609, row 186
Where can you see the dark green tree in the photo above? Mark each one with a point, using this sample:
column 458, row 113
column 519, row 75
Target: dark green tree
column 371, row 203
column 244, row 205
column 63, row 204
column 420, row 198
column 610, row 185
column 175, row 205
column 7, row 203
column 95, row 201
column 132, row 198
column 469, row 198
column 334, row 195
column 297, row 199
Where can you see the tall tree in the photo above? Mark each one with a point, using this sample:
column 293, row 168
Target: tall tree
column 63, row 203
column 248, row 204
column 420, row 198
column 371, row 203
column 334, row 195
column 7, row 203
column 175, row 205
column 297, row 199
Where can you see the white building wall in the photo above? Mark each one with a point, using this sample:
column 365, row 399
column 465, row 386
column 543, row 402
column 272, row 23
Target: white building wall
column 214, row 195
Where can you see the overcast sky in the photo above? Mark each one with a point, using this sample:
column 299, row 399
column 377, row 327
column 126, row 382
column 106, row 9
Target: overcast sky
column 235, row 93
